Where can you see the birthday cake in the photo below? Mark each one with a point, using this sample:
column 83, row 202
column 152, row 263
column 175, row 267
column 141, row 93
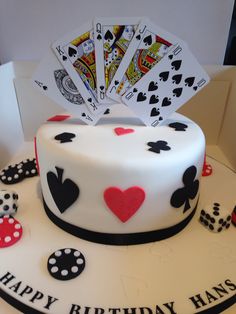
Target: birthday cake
column 121, row 183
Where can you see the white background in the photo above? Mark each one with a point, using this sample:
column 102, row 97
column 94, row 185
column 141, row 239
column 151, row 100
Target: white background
column 27, row 27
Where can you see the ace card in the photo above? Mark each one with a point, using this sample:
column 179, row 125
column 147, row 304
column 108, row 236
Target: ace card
column 76, row 52
column 167, row 86
column 112, row 37
column 53, row 81
column 149, row 45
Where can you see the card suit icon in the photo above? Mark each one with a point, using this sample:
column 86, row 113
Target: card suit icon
column 195, row 88
column 72, row 52
column 123, row 131
column 177, row 92
column 176, row 79
column 102, row 87
column 138, row 37
column 148, row 40
column 64, row 193
column 188, row 192
column 124, row 204
column 153, row 99
column 189, row 81
column 89, row 99
column 45, row 87
column 152, row 86
column 141, row 96
column 83, row 114
column 135, row 90
column 99, row 37
column 166, row 102
column 64, row 137
column 108, row 36
column 107, row 111
column 116, row 82
column 164, row 76
column 178, row 126
column 175, row 65
column 154, row 112
column 64, row 58
column 170, row 57
column 157, row 146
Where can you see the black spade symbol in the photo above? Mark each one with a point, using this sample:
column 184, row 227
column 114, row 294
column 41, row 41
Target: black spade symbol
column 135, row 90
column 166, row 102
column 64, row 58
column 148, row 40
column 107, row 111
column 108, row 35
column 177, row 91
column 178, row 126
column 141, row 96
column 101, row 87
column 116, row 82
column 153, row 99
column 182, row 196
column 164, row 76
column 195, row 88
column 64, row 193
column 89, row 99
column 176, row 65
column 154, row 112
column 72, row 52
column 156, row 147
column 138, row 37
column 99, row 37
column 83, row 114
column 152, row 86
column 64, row 137
column 45, row 87
column 176, row 78
column 170, row 57
column 189, row 81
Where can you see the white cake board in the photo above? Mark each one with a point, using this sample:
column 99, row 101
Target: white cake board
column 139, row 279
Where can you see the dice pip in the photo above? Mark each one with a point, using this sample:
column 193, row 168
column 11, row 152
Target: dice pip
column 8, row 202
column 215, row 217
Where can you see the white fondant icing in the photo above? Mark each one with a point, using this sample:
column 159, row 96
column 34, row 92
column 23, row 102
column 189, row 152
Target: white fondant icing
column 98, row 158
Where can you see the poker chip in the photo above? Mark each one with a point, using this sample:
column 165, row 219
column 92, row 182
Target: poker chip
column 66, row 264
column 29, row 167
column 18, row 172
column 12, row 174
column 10, row 231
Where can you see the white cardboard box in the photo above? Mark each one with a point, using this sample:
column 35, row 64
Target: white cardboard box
column 23, row 109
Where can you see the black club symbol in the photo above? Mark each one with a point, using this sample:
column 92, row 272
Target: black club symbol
column 189, row 191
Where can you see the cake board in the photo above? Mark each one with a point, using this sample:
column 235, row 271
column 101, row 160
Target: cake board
column 192, row 272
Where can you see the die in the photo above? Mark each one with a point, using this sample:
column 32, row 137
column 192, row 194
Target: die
column 215, row 217
column 8, row 202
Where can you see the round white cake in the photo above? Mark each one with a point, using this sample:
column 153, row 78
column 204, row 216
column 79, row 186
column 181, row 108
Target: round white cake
column 121, row 182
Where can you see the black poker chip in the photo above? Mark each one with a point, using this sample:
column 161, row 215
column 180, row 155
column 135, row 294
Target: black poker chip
column 12, row 174
column 29, row 167
column 65, row 264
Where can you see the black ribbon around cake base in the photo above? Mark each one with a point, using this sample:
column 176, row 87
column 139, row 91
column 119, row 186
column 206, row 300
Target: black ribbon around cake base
column 119, row 238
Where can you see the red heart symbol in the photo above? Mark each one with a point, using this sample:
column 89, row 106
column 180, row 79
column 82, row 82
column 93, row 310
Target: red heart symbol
column 124, row 204
column 122, row 131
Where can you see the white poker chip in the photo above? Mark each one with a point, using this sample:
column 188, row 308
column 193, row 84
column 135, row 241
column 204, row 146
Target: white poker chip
column 66, row 264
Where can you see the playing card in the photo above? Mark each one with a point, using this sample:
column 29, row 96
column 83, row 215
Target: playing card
column 167, row 86
column 111, row 37
column 53, row 81
column 76, row 52
column 148, row 46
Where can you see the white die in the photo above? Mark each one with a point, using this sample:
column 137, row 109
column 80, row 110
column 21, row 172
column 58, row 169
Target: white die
column 215, row 217
column 8, row 202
